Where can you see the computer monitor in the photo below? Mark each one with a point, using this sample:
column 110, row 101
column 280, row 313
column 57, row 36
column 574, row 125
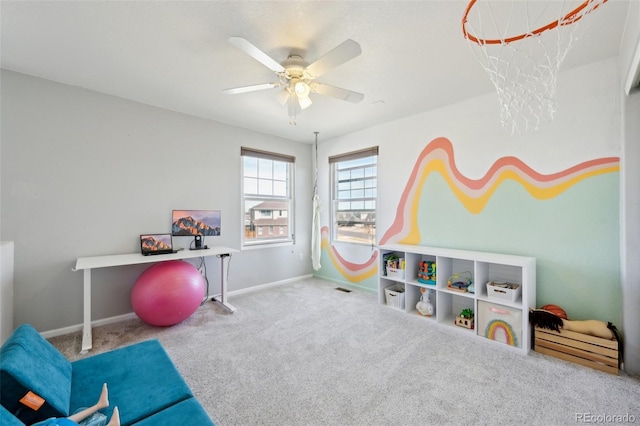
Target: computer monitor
column 196, row 224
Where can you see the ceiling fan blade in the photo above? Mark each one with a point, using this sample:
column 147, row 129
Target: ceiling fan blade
column 337, row 92
column 256, row 53
column 253, row 88
column 338, row 56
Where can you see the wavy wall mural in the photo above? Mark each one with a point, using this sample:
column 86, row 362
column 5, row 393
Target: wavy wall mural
column 474, row 194
column 353, row 272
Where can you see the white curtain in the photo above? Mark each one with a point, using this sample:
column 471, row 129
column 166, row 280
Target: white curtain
column 316, row 231
column 316, row 235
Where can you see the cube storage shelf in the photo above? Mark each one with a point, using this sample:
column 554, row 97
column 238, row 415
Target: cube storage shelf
column 503, row 321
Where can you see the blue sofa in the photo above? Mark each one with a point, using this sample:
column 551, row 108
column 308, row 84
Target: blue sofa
column 143, row 382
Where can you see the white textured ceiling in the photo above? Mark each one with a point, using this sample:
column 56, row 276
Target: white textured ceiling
column 175, row 55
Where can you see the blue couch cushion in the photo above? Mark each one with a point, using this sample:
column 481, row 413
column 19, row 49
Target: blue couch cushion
column 28, row 362
column 141, row 378
column 8, row 419
column 187, row 412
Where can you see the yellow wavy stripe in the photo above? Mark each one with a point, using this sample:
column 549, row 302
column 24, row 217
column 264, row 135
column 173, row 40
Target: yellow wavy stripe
column 476, row 204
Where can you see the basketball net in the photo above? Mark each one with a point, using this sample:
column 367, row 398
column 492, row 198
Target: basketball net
column 521, row 45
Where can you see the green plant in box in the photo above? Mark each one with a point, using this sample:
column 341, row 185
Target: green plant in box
column 467, row 313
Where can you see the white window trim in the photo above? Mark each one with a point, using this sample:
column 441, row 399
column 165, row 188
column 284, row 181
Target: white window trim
column 363, row 153
column 270, row 242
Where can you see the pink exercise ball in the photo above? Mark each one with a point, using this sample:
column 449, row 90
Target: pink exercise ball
column 168, row 293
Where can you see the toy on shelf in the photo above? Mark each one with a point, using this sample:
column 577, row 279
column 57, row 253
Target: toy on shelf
column 465, row 319
column 460, row 281
column 427, row 272
column 424, row 305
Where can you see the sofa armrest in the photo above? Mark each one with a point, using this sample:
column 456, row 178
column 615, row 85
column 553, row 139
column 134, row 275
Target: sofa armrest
column 29, row 363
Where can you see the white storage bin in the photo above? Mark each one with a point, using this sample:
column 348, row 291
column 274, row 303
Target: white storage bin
column 503, row 290
column 395, row 296
column 395, row 273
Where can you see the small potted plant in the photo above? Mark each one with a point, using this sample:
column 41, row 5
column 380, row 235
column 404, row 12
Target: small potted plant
column 465, row 319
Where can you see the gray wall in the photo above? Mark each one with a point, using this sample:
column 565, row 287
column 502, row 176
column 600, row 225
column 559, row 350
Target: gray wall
column 83, row 174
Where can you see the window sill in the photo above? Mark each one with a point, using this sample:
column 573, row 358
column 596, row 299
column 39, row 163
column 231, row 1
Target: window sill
column 263, row 245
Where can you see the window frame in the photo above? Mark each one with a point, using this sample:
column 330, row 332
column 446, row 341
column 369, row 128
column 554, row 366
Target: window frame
column 262, row 236
column 334, row 162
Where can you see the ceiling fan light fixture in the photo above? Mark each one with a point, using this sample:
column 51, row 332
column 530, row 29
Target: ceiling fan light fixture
column 302, row 89
column 304, row 102
column 283, row 96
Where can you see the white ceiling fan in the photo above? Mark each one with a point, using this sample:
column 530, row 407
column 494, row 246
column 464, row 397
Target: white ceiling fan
column 298, row 78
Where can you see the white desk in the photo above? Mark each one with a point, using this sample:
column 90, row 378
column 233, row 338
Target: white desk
column 88, row 263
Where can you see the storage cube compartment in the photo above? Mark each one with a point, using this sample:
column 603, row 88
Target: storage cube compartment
column 486, row 272
column 393, row 265
column 448, row 267
column 500, row 323
column 394, row 296
column 450, row 306
column 417, row 304
column 594, row 352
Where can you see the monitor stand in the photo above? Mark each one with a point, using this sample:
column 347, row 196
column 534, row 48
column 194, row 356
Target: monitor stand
column 197, row 243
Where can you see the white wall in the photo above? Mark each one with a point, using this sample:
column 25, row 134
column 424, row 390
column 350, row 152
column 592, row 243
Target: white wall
column 630, row 230
column 85, row 174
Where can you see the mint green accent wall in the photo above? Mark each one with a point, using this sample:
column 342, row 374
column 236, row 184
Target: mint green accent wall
column 574, row 236
column 331, row 273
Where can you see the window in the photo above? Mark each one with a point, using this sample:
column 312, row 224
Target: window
column 353, row 196
column 267, row 188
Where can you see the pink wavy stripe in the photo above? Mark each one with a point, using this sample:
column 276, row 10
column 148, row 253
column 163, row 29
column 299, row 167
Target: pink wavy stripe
column 442, row 149
column 353, row 267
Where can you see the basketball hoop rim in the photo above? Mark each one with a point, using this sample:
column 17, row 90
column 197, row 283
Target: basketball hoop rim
column 570, row 18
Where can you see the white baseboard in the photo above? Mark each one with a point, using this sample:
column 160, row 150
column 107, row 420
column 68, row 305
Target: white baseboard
column 105, row 321
column 267, row 285
column 96, row 323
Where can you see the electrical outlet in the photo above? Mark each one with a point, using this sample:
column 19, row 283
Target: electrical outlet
column 301, row 256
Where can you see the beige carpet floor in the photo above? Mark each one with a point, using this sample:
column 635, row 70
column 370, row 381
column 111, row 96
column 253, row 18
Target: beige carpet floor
column 305, row 353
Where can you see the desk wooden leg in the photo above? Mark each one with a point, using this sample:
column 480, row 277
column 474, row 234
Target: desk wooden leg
column 87, row 340
column 222, row 299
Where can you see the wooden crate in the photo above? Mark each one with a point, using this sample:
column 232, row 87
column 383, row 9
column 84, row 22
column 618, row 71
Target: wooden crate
column 591, row 351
